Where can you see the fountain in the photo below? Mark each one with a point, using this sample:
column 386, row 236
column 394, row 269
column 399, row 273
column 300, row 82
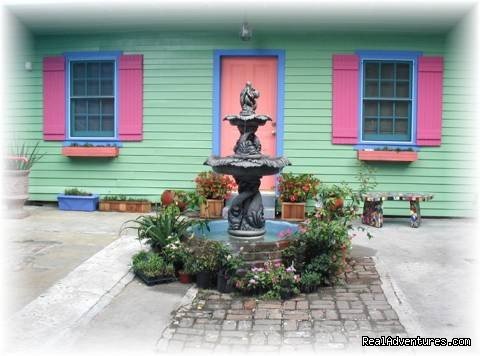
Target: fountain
column 247, row 166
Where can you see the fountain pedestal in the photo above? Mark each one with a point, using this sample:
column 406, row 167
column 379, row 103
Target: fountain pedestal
column 248, row 166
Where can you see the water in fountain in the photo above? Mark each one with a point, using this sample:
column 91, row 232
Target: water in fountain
column 247, row 165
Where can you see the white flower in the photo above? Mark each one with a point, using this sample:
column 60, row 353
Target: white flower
column 229, row 257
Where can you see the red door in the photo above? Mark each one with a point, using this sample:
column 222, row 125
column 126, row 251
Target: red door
column 262, row 73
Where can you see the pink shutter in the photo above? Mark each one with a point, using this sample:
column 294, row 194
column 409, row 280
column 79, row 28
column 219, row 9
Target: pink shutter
column 131, row 98
column 54, row 101
column 345, row 98
column 429, row 102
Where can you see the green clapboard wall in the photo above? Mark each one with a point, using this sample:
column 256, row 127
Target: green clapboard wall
column 178, row 117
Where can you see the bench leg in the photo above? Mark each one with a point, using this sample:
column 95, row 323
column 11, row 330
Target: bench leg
column 415, row 217
column 372, row 213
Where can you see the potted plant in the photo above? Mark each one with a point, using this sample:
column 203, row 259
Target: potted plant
column 175, row 197
column 206, row 261
column 309, row 282
column 294, row 190
column 77, row 200
column 152, row 268
column 229, row 266
column 122, row 203
column 388, row 154
column 17, row 169
column 332, row 197
column 214, row 188
column 90, row 150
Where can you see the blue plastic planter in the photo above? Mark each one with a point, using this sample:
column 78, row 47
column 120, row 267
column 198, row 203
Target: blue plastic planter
column 78, row 202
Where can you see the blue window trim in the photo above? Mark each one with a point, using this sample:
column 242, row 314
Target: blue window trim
column 392, row 56
column 217, row 56
column 99, row 55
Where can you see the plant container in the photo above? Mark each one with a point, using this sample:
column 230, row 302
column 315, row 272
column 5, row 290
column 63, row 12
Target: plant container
column 96, row 151
column 204, row 280
column 78, row 202
column 15, row 193
column 184, row 277
column 387, row 156
column 224, row 283
column 126, row 206
column 309, row 289
column 212, row 209
column 150, row 281
column 293, row 211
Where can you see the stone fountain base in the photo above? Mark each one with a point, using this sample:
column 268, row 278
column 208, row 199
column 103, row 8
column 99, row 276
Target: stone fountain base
column 245, row 235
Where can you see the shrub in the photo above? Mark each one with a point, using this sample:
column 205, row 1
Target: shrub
column 76, row 191
column 211, row 185
column 296, row 188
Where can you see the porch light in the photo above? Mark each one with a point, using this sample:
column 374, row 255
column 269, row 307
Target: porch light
column 245, row 32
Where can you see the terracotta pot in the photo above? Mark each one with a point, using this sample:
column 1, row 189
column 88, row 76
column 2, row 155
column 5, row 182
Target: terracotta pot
column 337, row 204
column 15, row 193
column 184, row 277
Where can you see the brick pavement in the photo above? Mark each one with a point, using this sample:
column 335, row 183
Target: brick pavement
column 332, row 318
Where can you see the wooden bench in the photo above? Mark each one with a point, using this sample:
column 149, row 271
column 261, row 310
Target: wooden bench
column 373, row 211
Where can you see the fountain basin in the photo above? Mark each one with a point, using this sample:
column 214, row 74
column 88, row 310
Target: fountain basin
column 276, row 239
column 244, row 166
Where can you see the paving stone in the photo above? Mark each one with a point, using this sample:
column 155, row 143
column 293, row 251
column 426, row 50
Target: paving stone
column 274, row 338
column 318, row 314
column 295, row 315
column 289, row 305
column 289, row 325
column 350, row 325
column 268, row 322
column 376, row 315
column 390, row 314
column 302, row 334
column 262, row 327
column 238, row 317
column 233, row 341
column 322, row 304
column 233, row 333
column 180, row 337
column 236, row 304
column 219, row 314
column 229, row 325
column 323, row 337
column 258, row 338
column 262, row 348
column 269, row 305
column 175, row 346
column 244, row 325
column 339, row 337
column 327, row 325
column 302, row 305
column 186, row 322
column 249, row 304
column 260, row 314
column 353, row 316
column 331, row 315
column 296, row 341
column 222, row 349
column 189, row 331
column 211, row 336
column 342, row 305
column 305, row 325
column 274, row 314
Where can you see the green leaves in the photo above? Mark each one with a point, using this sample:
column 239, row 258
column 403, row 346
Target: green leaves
column 30, row 156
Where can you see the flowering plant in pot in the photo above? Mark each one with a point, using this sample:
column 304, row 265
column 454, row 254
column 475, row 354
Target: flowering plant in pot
column 214, row 188
column 152, row 268
column 230, row 264
column 206, row 256
column 294, row 190
column 19, row 162
column 77, row 200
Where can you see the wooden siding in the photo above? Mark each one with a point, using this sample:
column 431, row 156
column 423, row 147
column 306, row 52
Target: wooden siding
column 178, row 118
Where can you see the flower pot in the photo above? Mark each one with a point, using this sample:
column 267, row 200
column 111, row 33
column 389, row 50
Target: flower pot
column 95, row 151
column 126, row 206
column 204, row 279
column 224, row 283
column 308, row 289
column 184, row 277
column 335, row 204
column 293, row 211
column 15, row 193
column 286, row 294
column 387, row 156
column 78, row 202
column 212, row 209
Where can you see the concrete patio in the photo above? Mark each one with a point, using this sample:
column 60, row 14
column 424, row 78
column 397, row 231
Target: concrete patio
column 60, row 297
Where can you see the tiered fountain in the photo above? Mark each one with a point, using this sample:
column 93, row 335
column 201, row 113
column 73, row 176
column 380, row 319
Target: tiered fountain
column 247, row 165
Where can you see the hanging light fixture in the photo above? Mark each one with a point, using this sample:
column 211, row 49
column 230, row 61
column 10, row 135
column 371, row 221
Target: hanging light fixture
column 245, row 32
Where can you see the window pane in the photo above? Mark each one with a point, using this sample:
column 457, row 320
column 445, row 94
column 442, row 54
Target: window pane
column 387, row 71
column 79, row 107
column 386, row 90
column 401, row 126
column 107, row 106
column 92, row 88
column 107, row 70
column 386, row 108
column 94, row 123
column 93, row 107
column 386, row 126
column 106, row 87
column 371, row 89
column 370, row 108
column 371, row 70
column 80, row 123
column 403, row 71
column 401, row 109
column 403, row 90
column 93, row 70
column 370, row 126
column 78, row 70
column 107, row 123
column 78, row 87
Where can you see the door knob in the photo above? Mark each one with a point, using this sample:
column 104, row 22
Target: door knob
column 274, row 132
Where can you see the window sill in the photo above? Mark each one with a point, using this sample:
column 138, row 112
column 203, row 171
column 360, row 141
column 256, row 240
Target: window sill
column 78, row 151
column 387, row 156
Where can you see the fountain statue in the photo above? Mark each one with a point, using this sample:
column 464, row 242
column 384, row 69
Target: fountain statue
column 247, row 166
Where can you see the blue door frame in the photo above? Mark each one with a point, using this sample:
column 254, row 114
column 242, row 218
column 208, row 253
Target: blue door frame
column 217, row 56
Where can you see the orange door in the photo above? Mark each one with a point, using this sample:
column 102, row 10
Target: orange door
column 262, row 72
